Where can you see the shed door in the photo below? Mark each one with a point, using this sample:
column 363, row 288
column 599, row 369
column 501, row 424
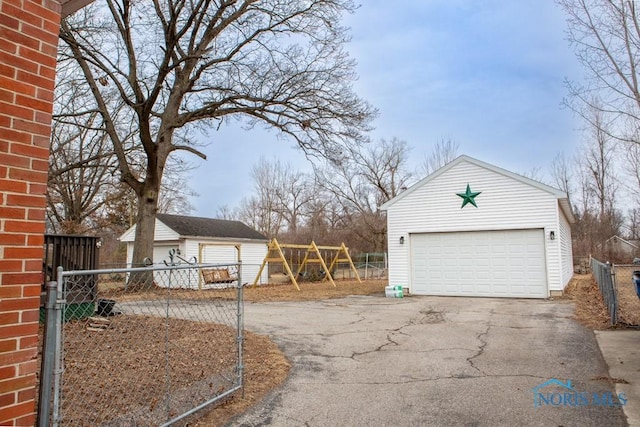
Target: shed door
column 508, row 263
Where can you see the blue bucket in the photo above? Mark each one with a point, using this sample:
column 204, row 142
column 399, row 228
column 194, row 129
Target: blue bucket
column 636, row 281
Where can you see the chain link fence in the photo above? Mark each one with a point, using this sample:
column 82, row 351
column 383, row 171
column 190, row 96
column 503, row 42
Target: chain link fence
column 603, row 277
column 618, row 290
column 627, row 297
column 140, row 346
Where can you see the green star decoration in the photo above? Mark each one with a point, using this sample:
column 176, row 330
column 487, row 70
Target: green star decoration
column 468, row 197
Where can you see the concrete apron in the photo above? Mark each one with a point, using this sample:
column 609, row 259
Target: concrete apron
column 433, row 361
column 621, row 351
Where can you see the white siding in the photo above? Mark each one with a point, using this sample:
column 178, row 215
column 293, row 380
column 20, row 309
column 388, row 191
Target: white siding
column 161, row 252
column 566, row 250
column 252, row 257
column 505, row 203
column 161, row 233
column 250, row 253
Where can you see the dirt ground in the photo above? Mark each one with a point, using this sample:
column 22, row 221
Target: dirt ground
column 590, row 307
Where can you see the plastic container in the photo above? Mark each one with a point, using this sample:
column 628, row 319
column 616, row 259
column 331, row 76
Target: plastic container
column 393, row 291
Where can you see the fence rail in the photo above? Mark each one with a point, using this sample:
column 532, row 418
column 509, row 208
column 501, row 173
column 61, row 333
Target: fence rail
column 602, row 273
column 140, row 346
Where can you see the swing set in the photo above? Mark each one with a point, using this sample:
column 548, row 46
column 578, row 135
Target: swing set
column 312, row 255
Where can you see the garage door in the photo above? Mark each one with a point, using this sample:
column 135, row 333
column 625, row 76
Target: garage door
column 218, row 254
column 508, row 263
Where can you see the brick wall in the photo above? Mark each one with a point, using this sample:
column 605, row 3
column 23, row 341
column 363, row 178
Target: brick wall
column 28, row 45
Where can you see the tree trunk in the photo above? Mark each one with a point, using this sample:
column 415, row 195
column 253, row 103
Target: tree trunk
column 145, row 235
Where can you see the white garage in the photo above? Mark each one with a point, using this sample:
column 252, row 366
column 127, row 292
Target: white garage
column 473, row 229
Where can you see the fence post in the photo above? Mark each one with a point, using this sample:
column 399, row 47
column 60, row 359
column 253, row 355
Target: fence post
column 57, row 365
column 48, row 354
column 614, row 295
column 240, row 331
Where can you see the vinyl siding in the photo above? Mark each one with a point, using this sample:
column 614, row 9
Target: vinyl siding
column 161, row 233
column 504, row 203
column 221, row 251
column 566, row 250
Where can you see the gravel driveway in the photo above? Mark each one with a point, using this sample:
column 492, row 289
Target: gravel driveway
column 433, row 361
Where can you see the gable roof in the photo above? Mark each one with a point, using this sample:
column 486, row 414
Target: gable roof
column 190, row 226
column 616, row 238
column 563, row 200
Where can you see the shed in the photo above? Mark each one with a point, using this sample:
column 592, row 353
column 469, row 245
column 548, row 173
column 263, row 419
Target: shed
column 207, row 240
column 474, row 229
column 617, row 249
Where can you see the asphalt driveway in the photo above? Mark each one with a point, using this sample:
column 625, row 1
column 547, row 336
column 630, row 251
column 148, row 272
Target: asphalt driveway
column 417, row 361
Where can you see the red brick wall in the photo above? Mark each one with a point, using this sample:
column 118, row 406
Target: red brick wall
column 28, row 45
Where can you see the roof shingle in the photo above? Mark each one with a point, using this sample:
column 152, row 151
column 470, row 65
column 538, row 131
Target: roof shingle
column 209, row 227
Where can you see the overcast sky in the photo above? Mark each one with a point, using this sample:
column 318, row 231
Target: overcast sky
column 488, row 74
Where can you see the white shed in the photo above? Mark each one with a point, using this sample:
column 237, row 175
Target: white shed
column 474, row 229
column 207, row 240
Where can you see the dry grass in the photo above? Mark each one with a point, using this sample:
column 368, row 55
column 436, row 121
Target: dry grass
column 590, row 309
column 309, row 291
column 266, row 368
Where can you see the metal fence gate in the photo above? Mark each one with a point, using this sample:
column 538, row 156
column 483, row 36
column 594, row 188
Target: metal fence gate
column 140, row 346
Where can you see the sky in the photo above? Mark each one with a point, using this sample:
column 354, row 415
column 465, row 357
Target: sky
column 487, row 74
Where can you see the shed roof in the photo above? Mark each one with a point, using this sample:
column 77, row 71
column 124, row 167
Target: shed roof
column 190, row 226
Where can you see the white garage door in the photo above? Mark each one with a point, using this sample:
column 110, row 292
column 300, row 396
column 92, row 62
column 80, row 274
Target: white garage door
column 508, row 263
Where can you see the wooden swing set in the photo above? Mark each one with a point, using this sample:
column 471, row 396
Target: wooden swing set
column 312, row 255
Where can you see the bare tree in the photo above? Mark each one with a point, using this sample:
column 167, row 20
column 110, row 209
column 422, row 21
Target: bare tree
column 175, row 65
column 598, row 162
column 84, row 189
column 605, row 35
column 263, row 209
column 562, row 175
column 289, row 189
column 371, row 175
column 281, row 194
column 225, row 212
column 81, row 162
column 632, row 169
column 634, row 224
column 441, row 154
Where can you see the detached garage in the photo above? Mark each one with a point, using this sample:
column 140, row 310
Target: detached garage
column 207, row 240
column 473, row 229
